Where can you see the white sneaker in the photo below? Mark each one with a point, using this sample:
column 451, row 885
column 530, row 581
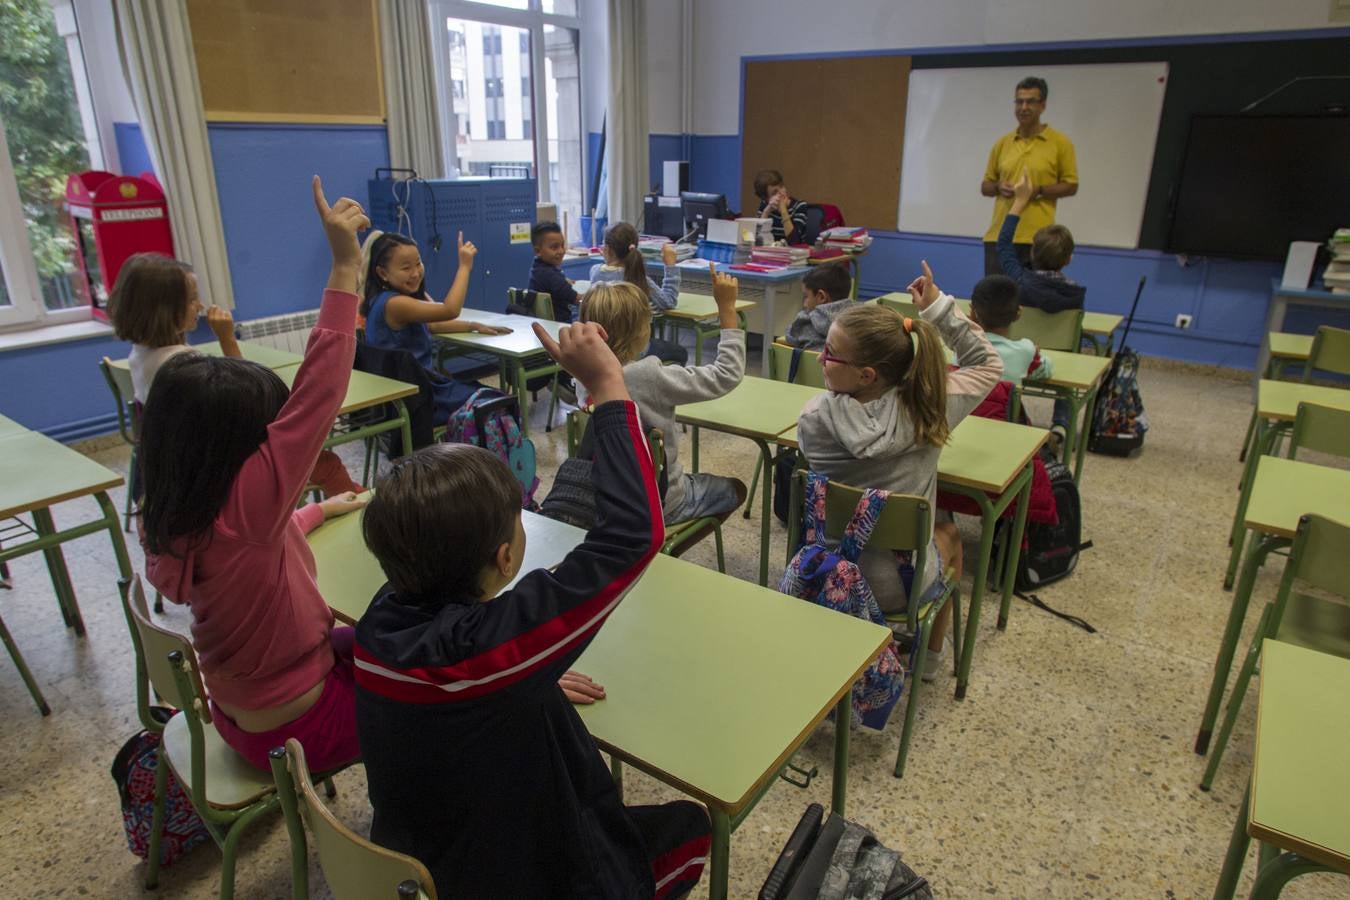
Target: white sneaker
column 932, row 664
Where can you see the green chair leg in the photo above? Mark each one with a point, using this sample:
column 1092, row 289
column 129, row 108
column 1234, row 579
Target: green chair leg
column 750, row 497
column 32, row 684
column 717, row 541
column 1237, row 853
column 1235, row 700
column 956, row 628
column 1247, row 441
column 616, row 772
column 1274, row 875
column 295, row 828
column 911, row 707
column 157, row 823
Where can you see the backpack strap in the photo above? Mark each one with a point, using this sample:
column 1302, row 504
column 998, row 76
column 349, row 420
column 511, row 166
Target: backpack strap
column 859, row 529
column 795, row 363
column 813, row 512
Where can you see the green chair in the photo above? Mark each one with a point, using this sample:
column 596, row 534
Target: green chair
column 354, row 867
column 1050, row 331
column 227, row 793
column 905, row 523
column 809, row 371
column 680, row 536
column 903, row 307
column 128, row 425
column 1307, row 616
column 1330, row 353
column 540, row 305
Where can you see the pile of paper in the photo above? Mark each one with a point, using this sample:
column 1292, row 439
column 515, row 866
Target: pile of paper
column 847, row 238
column 780, row 256
column 1337, row 275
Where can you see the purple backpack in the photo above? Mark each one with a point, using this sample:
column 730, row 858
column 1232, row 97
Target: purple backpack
column 832, row 579
column 492, row 420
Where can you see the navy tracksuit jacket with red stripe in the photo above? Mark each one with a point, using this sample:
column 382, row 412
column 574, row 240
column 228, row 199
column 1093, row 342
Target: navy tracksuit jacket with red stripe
column 477, row 764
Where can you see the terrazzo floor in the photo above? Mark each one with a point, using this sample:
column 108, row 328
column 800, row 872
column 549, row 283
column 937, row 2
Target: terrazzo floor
column 1066, row 772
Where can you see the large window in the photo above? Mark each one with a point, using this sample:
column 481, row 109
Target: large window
column 483, row 49
column 43, row 117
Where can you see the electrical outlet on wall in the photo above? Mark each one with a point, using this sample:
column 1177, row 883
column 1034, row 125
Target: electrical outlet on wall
column 1183, row 320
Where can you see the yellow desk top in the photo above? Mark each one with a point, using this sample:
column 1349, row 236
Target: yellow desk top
column 519, row 344
column 1279, row 400
column 37, row 472
column 756, row 408
column 1284, row 345
column 1078, row 371
column 258, row 353
column 1285, row 489
column 364, row 390
column 700, row 306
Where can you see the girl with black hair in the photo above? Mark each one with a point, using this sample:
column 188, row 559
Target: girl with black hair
column 226, row 451
column 401, row 315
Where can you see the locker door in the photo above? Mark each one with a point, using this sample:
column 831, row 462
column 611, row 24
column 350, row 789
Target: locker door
column 505, row 253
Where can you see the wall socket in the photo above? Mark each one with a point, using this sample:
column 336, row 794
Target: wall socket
column 1183, row 320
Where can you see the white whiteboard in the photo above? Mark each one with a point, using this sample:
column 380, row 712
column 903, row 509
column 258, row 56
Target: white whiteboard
column 1109, row 111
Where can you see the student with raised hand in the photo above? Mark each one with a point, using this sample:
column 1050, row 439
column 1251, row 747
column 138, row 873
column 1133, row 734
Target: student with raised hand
column 890, row 406
column 657, row 389
column 400, row 314
column 623, row 262
column 476, row 762
column 994, row 307
column 227, row 450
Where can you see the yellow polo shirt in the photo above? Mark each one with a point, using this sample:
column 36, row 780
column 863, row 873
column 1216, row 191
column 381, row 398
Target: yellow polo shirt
column 1050, row 159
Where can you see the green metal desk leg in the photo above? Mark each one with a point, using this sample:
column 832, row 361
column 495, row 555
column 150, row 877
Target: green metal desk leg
column 616, row 771
column 1281, row 870
column 766, row 510
column 843, row 720
column 1237, row 852
column 1260, row 446
column 698, row 343
column 1014, row 548
column 115, row 533
column 1085, row 410
column 56, row 568
column 987, row 522
column 693, row 459
column 719, row 868
column 405, row 425
column 22, row 666
column 518, row 379
column 1256, row 555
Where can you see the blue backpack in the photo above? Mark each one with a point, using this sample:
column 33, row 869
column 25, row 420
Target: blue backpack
column 832, row 579
column 491, row 420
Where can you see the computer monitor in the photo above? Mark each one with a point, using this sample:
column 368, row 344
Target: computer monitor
column 700, row 207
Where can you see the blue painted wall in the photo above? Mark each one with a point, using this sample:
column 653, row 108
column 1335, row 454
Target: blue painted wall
column 131, row 149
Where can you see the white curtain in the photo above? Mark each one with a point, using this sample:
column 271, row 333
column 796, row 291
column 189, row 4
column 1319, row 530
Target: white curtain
column 410, row 88
column 155, row 44
column 626, row 129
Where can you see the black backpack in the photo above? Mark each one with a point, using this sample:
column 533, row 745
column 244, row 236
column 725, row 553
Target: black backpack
column 1051, row 551
column 831, row 857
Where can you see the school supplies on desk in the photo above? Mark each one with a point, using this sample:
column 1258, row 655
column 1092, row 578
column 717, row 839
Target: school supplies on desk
column 780, row 256
column 848, row 238
column 755, row 267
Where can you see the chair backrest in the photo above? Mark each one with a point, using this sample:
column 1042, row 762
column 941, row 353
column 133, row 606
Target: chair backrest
column 124, row 395
column 538, row 303
column 353, row 866
column 1330, row 352
column 1322, row 429
column 1054, row 331
column 153, row 646
column 809, row 371
column 577, row 420
column 903, row 307
column 1319, row 558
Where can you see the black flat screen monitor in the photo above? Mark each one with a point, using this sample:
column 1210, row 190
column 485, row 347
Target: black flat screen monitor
column 700, row 207
column 1252, row 184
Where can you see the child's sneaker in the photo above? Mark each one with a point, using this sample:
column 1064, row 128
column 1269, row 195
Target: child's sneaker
column 1058, row 434
column 932, row 664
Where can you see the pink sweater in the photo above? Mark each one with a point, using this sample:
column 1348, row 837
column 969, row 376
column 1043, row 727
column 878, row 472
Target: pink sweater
column 259, row 625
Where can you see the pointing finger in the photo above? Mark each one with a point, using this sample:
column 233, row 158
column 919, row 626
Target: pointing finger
column 320, row 201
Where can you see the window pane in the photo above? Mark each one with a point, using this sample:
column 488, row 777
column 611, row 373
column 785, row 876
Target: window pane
column 509, row 4
column 45, row 136
column 561, row 7
column 562, row 102
column 493, row 129
column 4, row 288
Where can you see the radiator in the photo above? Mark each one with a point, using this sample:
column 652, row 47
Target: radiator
column 285, row 332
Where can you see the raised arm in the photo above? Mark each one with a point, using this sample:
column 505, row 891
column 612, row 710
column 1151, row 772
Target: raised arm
column 401, row 311
column 667, row 296
column 979, row 365
column 271, row 480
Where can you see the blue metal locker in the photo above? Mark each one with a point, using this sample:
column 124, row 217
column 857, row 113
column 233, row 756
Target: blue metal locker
column 495, row 213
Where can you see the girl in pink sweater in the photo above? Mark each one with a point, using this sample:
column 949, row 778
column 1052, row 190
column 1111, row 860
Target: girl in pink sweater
column 226, row 452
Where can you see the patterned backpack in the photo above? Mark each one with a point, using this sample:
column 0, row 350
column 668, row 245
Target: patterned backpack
column 832, row 579
column 133, row 770
column 491, row 420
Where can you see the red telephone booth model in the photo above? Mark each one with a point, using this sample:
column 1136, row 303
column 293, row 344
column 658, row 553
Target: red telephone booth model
column 114, row 216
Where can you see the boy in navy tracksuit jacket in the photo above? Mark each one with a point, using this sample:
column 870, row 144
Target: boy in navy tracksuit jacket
column 476, row 761
column 546, row 274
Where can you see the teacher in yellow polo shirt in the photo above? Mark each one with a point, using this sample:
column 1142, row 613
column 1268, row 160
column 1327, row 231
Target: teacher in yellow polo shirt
column 1046, row 154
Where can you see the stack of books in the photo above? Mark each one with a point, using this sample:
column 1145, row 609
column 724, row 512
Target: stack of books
column 780, row 256
column 847, row 238
column 650, row 246
column 1337, row 275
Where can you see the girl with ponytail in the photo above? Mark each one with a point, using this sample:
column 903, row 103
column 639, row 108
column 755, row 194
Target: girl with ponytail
column 891, row 405
column 623, row 262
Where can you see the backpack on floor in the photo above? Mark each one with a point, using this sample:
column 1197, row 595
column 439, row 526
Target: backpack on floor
column 133, row 770
column 832, row 579
column 831, row 857
column 491, row 420
column 1050, row 552
column 1118, row 419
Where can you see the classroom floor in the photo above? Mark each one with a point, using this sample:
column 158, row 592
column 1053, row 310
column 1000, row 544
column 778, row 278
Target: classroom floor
column 1066, row 772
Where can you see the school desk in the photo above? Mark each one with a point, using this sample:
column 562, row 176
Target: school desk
column 1285, row 349
column 690, row 645
column 984, row 457
column 757, row 409
column 519, row 354
column 1076, row 377
column 1281, row 491
column 1281, row 299
column 677, row 613
column 258, row 353
column 1276, row 405
column 36, row 473
column 698, row 312
column 1296, row 798
column 366, row 391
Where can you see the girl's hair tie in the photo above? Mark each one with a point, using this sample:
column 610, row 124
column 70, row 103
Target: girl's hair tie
column 632, row 246
column 909, row 325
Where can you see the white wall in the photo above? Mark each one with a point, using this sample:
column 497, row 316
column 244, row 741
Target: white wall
column 662, row 61
column 725, row 31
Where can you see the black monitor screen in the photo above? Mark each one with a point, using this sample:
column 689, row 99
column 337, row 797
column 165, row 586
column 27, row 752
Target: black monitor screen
column 1252, row 184
column 700, row 207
